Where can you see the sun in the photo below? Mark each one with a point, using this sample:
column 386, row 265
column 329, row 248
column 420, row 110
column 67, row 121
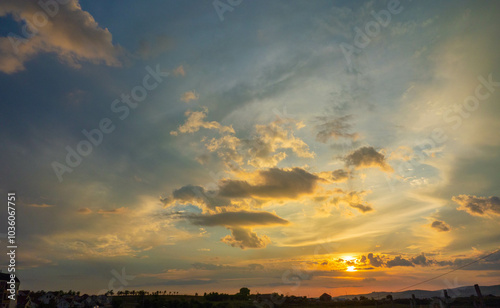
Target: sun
column 351, row 269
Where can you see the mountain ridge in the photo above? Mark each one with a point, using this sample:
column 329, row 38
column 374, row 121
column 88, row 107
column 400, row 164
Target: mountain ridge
column 464, row 291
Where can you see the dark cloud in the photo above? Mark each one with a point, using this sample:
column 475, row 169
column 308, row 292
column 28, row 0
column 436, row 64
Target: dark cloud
column 421, row 260
column 489, row 263
column 245, row 238
column 198, row 194
column 440, row 226
column 334, row 127
column 272, row 183
column 367, row 157
column 276, row 183
column 112, row 211
column 478, row 206
column 339, row 175
column 239, row 219
column 398, row 261
column 361, row 207
column 375, row 260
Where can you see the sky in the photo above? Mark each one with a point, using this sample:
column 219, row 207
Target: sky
column 297, row 147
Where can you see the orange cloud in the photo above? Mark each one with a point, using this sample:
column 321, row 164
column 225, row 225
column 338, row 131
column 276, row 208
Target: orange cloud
column 179, row 71
column 43, row 205
column 189, row 96
column 195, row 121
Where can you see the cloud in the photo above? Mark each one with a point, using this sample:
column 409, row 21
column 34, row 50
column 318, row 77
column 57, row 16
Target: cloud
column 478, row 206
column 207, row 266
column 421, row 260
column 112, row 233
column 228, row 149
column 71, row 33
column 264, row 148
column 273, row 183
column 196, row 195
column 274, row 136
column 398, row 261
column 179, row 71
column 339, row 175
column 189, row 96
column 84, row 211
column 43, row 205
column 239, row 219
column 385, row 261
column 334, row 127
column 112, row 211
column 245, row 238
column 440, row 226
column 355, row 200
column 367, row 157
column 195, row 121
column 375, row 260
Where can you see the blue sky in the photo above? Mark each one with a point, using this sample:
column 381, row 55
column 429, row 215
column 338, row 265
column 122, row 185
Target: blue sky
column 290, row 146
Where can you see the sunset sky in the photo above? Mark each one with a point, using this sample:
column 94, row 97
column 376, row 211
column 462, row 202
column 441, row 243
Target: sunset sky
column 297, row 147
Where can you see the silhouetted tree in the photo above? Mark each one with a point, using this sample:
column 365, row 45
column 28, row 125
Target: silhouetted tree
column 245, row 291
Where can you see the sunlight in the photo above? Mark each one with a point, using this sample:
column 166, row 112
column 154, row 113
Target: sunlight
column 351, row 269
column 349, row 258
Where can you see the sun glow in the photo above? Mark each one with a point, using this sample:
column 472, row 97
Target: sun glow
column 351, row 269
column 349, row 258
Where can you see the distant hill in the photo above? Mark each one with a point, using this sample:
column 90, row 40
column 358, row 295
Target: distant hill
column 455, row 292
